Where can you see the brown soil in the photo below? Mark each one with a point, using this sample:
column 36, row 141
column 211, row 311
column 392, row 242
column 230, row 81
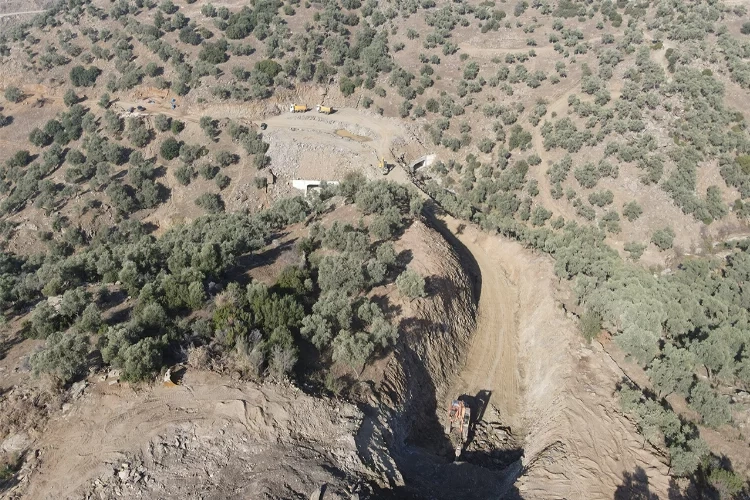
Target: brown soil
column 549, row 388
column 207, row 436
column 550, row 421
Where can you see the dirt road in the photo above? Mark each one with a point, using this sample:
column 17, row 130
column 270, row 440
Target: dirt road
column 492, row 362
column 10, row 14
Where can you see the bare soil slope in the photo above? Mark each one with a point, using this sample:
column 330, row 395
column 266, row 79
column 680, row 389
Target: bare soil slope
column 207, row 436
column 577, row 443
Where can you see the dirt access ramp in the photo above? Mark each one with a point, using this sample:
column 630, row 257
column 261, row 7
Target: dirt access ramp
column 208, row 437
column 554, row 391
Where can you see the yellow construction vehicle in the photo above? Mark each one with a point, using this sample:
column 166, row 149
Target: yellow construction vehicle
column 383, row 166
column 457, row 427
column 326, row 110
column 294, row 108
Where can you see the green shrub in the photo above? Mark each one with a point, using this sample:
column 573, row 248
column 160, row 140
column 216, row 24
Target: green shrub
column 591, row 325
column 519, row 138
column 139, row 361
column 587, row 175
column 13, row 94
column 177, row 126
column 601, row 198
column 184, row 174
column 83, row 77
column 222, row 181
column 70, row 98
column 411, row 284
column 64, row 356
column 268, row 67
column 170, row 148
column 347, row 86
column 713, row 407
column 162, row 122
column 210, row 202
column 663, row 238
column 352, row 349
column 635, row 249
column 632, row 210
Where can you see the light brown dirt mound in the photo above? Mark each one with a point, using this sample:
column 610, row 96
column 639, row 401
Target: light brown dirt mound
column 208, row 436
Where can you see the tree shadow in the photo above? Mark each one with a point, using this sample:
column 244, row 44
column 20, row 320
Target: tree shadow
column 11, row 468
column 254, row 260
column 432, row 213
column 390, row 310
column 404, row 258
column 423, row 451
column 635, row 487
column 160, row 171
column 7, row 343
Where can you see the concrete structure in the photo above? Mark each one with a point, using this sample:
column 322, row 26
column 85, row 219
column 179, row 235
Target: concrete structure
column 306, row 185
column 424, row 161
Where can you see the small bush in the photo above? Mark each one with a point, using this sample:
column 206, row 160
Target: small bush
column 635, row 249
column 591, row 325
column 184, row 174
column 170, row 148
column 347, row 86
column 13, row 94
column 63, row 356
column 663, row 238
column 632, row 210
column 210, row 202
column 162, row 122
column 411, row 284
column 83, row 77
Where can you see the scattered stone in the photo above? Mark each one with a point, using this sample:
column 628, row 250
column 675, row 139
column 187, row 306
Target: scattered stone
column 76, row 390
column 317, row 494
column 15, row 443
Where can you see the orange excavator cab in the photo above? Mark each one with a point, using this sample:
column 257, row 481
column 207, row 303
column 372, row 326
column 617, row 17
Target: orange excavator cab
column 457, row 427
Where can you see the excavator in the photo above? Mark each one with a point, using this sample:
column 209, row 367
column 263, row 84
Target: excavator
column 457, row 427
column 384, row 166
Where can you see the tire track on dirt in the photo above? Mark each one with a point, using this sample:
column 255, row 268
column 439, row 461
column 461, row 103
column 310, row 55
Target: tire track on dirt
column 492, row 359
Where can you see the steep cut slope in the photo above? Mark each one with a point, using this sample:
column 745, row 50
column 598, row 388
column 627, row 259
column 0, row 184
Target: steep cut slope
column 577, row 443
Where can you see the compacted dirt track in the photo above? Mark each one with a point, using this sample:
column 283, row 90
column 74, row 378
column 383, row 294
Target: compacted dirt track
column 492, row 361
column 555, row 393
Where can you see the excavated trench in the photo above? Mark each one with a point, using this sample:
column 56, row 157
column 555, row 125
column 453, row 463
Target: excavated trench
column 428, row 362
column 547, row 419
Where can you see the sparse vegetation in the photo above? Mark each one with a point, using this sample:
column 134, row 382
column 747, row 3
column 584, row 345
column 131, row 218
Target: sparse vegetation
column 636, row 101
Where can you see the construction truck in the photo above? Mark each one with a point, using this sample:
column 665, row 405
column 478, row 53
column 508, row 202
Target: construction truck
column 294, row 108
column 326, row 110
column 457, row 427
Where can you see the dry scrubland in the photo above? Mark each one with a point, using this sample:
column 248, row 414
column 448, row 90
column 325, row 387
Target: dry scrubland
column 572, row 256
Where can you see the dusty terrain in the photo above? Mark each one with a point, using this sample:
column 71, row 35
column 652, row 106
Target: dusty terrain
column 207, row 436
column 547, row 421
column 547, row 385
column 550, row 421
